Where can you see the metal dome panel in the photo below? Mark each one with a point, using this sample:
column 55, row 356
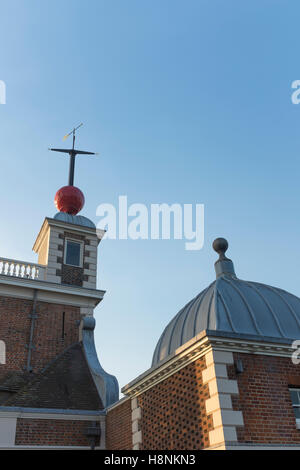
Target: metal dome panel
column 231, row 305
column 74, row 219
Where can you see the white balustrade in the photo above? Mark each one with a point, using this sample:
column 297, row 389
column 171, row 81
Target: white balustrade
column 12, row 267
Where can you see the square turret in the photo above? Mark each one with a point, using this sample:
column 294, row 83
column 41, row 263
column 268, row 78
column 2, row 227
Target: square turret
column 67, row 246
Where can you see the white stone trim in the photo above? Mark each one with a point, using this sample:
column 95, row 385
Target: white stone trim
column 227, row 417
column 221, row 385
column 92, row 241
column 53, row 278
column 92, row 259
column 92, row 249
column 87, row 311
column 55, row 252
column 59, row 226
column 217, row 402
column 52, row 259
column 54, row 246
column 103, row 432
column 159, row 373
column 50, row 292
column 51, row 271
column 56, row 232
column 219, row 357
column 89, row 285
column 219, row 405
column 197, row 347
column 219, row 369
column 48, row 415
column 53, row 265
column 8, row 426
column 91, row 271
column 136, row 415
column 220, row 435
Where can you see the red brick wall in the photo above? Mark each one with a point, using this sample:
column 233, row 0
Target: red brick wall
column 118, row 427
column 51, row 432
column 264, row 399
column 15, row 330
column 173, row 411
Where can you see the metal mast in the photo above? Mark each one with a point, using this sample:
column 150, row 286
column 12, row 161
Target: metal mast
column 72, row 152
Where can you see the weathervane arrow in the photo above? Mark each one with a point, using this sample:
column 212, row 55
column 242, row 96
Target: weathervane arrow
column 72, row 152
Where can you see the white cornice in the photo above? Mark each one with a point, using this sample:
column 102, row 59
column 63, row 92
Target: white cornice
column 11, row 286
column 159, row 373
column 265, row 348
column 48, row 222
column 48, row 415
column 196, row 348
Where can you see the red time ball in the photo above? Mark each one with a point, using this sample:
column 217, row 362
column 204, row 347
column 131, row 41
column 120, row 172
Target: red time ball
column 69, row 199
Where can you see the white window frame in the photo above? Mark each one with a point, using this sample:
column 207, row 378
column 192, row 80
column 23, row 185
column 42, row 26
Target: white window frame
column 79, row 242
column 296, row 389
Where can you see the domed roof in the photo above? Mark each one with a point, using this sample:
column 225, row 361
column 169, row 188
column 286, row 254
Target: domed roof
column 231, row 305
column 74, row 219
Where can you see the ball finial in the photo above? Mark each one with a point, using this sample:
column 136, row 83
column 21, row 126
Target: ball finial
column 69, row 199
column 220, row 245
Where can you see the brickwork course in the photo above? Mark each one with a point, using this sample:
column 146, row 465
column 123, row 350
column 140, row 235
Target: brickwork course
column 264, row 399
column 56, row 328
column 51, row 432
column 118, row 427
column 173, row 411
column 174, row 417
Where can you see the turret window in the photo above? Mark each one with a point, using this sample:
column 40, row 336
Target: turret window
column 73, row 253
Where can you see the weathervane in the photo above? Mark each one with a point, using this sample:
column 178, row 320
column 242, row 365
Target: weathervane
column 73, row 152
column 70, row 199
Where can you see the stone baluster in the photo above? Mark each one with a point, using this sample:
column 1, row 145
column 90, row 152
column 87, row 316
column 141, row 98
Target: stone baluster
column 21, row 269
column 30, row 274
column 27, row 271
column 10, row 268
column 14, row 268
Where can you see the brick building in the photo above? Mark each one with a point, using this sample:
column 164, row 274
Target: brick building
column 222, row 375
column 53, row 390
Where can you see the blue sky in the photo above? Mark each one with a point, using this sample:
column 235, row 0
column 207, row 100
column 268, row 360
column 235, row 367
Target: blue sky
column 186, row 102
